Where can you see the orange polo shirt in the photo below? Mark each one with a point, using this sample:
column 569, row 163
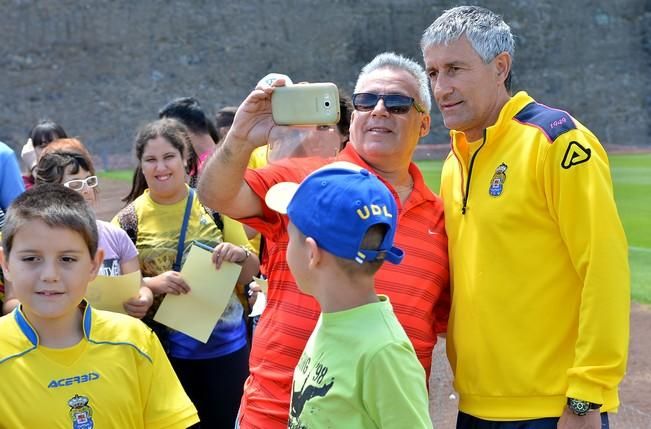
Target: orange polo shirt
column 418, row 289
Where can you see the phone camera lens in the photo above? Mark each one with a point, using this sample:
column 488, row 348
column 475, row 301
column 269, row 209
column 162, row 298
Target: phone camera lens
column 327, row 104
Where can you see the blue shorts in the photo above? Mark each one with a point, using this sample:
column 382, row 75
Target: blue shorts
column 466, row 421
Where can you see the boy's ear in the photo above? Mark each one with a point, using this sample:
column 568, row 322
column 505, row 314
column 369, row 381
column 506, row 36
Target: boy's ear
column 96, row 262
column 315, row 254
column 4, row 264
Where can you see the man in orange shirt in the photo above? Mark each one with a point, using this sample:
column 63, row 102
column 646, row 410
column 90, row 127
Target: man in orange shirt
column 392, row 104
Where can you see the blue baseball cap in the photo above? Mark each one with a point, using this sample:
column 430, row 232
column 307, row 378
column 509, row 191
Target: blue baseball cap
column 336, row 205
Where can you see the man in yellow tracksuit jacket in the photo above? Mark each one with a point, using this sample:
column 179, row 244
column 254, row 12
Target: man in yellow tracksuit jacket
column 539, row 328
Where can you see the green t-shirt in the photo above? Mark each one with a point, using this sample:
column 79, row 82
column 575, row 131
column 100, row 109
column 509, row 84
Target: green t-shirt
column 359, row 370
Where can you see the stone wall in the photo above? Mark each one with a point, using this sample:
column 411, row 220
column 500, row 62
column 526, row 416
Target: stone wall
column 101, row 68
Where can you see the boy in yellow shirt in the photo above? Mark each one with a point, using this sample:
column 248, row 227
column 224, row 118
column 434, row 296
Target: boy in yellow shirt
column 63, row 363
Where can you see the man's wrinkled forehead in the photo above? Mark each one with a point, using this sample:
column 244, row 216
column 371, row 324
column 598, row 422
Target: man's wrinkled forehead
column 454, row 52
column 389, row 80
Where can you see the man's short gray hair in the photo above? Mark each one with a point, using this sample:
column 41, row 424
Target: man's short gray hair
column 396, row 61
column 486, row 31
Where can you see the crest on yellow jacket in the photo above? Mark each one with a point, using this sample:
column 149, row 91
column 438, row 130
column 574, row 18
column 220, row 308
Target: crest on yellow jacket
column 497, row 182
column 81, row 413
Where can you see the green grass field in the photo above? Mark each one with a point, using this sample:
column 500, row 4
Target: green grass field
column 632, row 181
column 124, row 175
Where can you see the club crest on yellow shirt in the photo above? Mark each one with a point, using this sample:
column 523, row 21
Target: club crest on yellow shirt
column 497, row 182
column 80, row 413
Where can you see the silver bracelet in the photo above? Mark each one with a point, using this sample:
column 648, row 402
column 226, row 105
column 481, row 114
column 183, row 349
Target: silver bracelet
column 247, row 253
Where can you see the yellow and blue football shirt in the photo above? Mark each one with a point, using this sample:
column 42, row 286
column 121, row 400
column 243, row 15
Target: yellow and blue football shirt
column 117, row 376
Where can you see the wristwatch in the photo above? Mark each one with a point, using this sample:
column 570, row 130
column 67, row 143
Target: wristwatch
column 580, row 407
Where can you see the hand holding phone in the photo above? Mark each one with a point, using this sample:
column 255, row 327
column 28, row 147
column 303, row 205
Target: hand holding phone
column 305, row 104
column 253, row 120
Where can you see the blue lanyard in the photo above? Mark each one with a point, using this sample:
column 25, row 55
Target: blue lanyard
column 184, row 227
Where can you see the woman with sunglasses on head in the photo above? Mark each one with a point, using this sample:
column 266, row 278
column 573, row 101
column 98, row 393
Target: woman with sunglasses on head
column 68, row 162
column 161, row 209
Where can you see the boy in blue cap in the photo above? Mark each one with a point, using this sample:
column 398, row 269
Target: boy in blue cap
column 358, row 368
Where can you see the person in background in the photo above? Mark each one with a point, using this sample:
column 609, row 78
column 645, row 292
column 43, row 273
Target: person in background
column 223, row 121
column 11, row 185
column 42, row 134
column 68, row 162
column 204, row 137
column 212, row 373
column 202, row 131
column 539, row 327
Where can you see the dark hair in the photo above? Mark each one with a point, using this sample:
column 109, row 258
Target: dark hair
column 224, row 118
column 371, row 241
column 52, row 166
column 345, row 112
column 176, row 134
column 188, row 111
column 58, row 156
column 45, row 132
column 57, row 207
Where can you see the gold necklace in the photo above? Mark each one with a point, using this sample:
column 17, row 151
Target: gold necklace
column 405, row 189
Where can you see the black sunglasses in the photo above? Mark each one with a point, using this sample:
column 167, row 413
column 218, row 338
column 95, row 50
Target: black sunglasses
column 394, row 103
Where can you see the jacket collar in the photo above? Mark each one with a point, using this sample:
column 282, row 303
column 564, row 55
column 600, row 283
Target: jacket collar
column 509, row 110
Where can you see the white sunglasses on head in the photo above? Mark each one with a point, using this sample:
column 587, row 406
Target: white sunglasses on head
column 78, row 184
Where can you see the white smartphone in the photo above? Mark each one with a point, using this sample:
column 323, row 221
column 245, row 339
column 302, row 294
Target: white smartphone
column 306, row 104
